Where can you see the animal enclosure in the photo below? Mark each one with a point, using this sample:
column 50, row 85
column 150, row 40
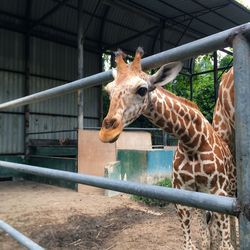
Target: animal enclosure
column 240, row 207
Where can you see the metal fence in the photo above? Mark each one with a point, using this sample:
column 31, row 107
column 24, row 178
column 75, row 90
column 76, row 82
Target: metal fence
column 22, row 239
column 237, row 37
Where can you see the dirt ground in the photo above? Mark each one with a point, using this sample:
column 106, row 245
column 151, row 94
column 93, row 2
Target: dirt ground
column 58, row 218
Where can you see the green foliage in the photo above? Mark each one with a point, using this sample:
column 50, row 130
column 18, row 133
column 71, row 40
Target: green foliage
column 203, row 86
column 154, row 202
column 203, row 63
column 225, row 61
column 180, row 86
column 203, row 94
column 165, row 183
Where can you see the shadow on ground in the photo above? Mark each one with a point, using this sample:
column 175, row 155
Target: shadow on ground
column 87, row 232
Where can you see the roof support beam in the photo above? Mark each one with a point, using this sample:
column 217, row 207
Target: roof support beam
column 215, row 12
column 91, row 17
column 48, row 37
column 154, row 40
column 115, row 23
column 49, row 13
column 122, row 5
column 111, row 46
column 190, row 15
column 184, row 32
column 162, row 35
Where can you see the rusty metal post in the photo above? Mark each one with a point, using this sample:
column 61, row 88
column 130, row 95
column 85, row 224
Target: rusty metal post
column 27, row 76
column 80, row 48
column 242, row 133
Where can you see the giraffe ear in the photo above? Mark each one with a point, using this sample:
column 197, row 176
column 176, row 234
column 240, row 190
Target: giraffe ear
column 165, row 74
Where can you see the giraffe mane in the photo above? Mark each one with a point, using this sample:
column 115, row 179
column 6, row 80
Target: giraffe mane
column 182, row 100
column 188, row 103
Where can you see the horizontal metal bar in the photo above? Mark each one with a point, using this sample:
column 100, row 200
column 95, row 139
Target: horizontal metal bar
column 128, row 129
column 201, row 46
column 92, row 128
column 52, row 132
column 22, row 239
column 11, row 154
column 11, row 113
column 48, row 114
column 211, row 71
column 195, row 199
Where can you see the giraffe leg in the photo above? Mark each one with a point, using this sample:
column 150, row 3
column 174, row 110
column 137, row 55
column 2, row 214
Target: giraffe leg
column 185, row 218
column 204, row 229
column 220, row 230
column 233, row 231
column 214, row 232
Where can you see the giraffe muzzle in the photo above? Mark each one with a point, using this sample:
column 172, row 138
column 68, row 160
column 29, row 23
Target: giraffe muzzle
column 110, row 131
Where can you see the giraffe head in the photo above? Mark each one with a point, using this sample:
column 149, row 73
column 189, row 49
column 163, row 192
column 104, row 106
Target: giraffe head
column 129, row 93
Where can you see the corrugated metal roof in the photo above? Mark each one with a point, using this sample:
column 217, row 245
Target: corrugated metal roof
column 12, row 50
column 123, row 19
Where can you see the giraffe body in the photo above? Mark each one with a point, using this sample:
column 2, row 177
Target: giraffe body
column 202, row 162
column 224, row 111
column 224, row 124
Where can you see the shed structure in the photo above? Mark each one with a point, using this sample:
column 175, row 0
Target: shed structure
column 47, row 43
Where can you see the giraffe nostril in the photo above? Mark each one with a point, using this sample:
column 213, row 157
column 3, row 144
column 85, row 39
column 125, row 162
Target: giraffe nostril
column 110, row 123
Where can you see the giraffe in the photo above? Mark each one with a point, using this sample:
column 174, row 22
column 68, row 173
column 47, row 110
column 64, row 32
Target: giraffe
column 202, row 161
column 224, row 111
column 224, row 125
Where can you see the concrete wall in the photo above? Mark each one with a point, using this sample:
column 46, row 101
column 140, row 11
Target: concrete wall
column 93, row 155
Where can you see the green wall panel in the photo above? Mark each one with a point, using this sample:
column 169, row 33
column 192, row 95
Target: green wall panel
column 133, row 163
column 60, row 151
column 65, row 164
column 11, row 173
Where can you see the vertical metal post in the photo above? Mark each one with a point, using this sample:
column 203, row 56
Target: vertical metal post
column 162, row 35
column 192, row 61
column 191, row 86
column 113, row 65
column 215, row 75
column 27, row 76
column 242, row 133
column 100, row 106
column 80, row 48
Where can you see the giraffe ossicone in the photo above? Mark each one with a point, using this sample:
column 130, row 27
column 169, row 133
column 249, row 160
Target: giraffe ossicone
column 202, row 162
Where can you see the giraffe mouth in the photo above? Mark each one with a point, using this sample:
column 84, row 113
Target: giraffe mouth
column 110, row 135
column 114, row 139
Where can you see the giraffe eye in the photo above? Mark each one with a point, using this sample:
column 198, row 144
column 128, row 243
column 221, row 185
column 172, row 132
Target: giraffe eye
column 142, row 91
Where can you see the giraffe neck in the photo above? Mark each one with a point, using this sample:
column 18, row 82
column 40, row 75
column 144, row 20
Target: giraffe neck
column 178, row 117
